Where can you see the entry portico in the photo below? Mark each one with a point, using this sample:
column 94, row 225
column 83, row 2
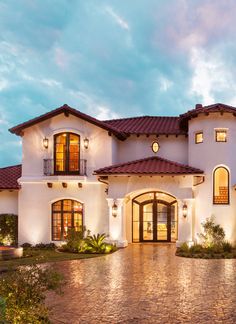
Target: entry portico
column 149, row 195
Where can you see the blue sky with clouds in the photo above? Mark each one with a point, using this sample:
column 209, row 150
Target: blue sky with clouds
column 112, row 58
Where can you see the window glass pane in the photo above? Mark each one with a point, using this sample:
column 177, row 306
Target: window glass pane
column 71, row 215
column 56, row 226
column 74, row 153
column 67, row 224
column 78, row 221
column 56, row 206
column 221, row 186
column 135, row 231
column 221, row 135
column 67, row 205
column 60, row 163
column 174, row 224
column 199, row 137
column 135, row 212
column 144, row 197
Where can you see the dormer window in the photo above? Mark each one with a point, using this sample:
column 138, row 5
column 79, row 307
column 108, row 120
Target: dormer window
column 198, row 137
column 66, row 153
column 221, row 135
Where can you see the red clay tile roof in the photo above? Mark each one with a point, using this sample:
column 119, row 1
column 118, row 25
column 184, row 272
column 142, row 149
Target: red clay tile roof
column 151, row 165
column 9, row 176
column 148, row 125
column 67, row 110
column 199, row 109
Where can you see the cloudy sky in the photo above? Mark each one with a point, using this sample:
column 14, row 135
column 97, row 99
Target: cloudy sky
column 112, row 58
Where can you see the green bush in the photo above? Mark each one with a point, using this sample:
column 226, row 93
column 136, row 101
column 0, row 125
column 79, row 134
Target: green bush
column 23, row 294
column 227, row 247
column 9, row 229
column 75, row 240
column 196, row 248
column 45, row 246
column 95, row 243
column 183, row 247
column 212, row 234
column 26, row 245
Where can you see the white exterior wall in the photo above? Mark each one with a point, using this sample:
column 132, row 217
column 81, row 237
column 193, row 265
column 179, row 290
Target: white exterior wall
column 207, row 156
column 171, row 148
column 9, row 202
column 99, row 153
column 35, row 198
column 123, row 189
column 35, row 202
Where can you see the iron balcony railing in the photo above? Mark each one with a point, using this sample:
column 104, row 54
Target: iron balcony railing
column 63, row 167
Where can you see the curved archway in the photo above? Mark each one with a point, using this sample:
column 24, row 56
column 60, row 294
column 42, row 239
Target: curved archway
column 66, row 214
column 154, row 217
column 221, row 186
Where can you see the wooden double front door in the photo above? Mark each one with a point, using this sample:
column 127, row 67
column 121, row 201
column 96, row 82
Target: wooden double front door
column 155, row 221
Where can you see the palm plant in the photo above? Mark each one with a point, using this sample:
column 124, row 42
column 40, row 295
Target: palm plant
column 95, row 243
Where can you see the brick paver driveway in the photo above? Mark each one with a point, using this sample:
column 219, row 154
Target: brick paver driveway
column 146, row 284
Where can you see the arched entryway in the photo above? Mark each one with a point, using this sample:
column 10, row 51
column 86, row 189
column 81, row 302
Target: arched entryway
column 154, row 217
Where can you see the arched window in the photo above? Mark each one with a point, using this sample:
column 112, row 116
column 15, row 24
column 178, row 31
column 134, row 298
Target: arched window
column 66, row 214
column 221, row 186
column 66, row 153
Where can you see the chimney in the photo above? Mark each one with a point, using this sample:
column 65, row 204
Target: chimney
column 198, row 106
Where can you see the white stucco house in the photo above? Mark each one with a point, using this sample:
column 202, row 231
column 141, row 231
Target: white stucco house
column 140, row 179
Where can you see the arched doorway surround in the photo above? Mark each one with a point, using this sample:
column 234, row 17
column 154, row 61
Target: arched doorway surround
column 154, row 217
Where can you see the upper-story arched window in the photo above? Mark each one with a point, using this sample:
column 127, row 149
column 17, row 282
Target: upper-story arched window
column 221, row 186
column 66, row 153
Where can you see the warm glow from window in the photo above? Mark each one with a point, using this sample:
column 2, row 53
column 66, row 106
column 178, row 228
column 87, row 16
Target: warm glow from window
column 221, row 186
column 221, row 135
column 155, row 147
column 199, row 137
column 67, row 153
column 66, row 214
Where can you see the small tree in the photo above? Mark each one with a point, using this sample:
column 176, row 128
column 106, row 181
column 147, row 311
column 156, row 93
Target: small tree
column 23, row 293
column 212, row 234
column 8, row 229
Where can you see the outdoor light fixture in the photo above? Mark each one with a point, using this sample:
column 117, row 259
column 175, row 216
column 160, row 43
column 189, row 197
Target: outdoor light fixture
column 45, row 142
column 86, row 143
column 185, row 209
column 114, row 209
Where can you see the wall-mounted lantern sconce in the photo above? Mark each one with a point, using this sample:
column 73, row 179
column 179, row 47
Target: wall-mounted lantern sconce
column 185, row 210
column 114, row 209
column 86, row 143
column 45, row 142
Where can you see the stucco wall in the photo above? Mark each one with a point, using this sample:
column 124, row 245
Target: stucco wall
column 99, row 153
column 9, row 202
column 207, row 156
column 35, row 208
column 171, row 147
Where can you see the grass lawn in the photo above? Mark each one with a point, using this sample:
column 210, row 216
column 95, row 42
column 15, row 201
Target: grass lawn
column 43, row 256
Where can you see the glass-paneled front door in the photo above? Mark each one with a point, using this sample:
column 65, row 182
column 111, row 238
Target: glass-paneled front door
column 155, row 222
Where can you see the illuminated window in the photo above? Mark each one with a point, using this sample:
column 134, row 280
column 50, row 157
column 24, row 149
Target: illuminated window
column 221, row 135
column 66, row 153
column 221, row 186
column 66, row 214
column 155, row 147
column 199, row 137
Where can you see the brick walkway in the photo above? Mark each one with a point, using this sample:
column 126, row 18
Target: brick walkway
column 146, row 284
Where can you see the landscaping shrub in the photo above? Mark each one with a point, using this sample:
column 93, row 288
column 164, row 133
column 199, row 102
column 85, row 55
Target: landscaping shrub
column 26, row 245
column 97, row 244
column 183, row 247
column 227, row 247
column 43, row 246
column 23, row 294
column 196, row 248
column 75, row 239
column 212, row 234
column 9, row 229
